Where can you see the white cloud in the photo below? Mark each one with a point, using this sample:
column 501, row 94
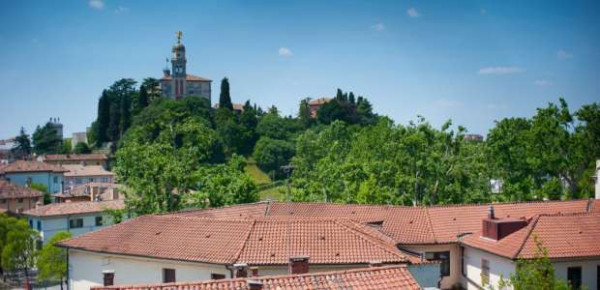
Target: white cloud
column 121, row 9
column 96, row 4
column 285, row 52
column 543, row 83
column 378, row 27
column 412, row 12
column 563, row 54
column 500, row 70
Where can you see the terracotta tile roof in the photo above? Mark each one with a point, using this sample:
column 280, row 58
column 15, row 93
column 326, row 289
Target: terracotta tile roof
column 31, row 166
column 263, row 241
column 319, row 101
column 76, row 170
column 564, row 235
column 189, row 78
column 393, row 277
column 74, row 157
column 11, row 191
column 407, row 225
column 68, row 208
column 241, row 211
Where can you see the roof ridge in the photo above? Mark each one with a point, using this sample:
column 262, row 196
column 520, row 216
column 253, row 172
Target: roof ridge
column 370, row 238
column 239, row 253
column 533, row 223
column 430, row 224
column 500, row 203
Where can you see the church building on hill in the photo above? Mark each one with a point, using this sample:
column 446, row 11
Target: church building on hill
column 177, row 83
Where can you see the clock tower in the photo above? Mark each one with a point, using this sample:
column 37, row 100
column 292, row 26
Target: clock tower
column 178, row 75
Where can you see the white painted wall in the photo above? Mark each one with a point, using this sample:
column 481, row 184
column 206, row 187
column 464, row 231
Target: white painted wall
column 85, row 269
column 499, row 267
column 54, row 224
column 589, row 270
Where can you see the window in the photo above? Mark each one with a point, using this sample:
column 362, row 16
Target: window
column 485, row 272
column 31, row 224
column 39, row 226
column 168, row 275
column 99, row 221
column 444, row 257
column 217, row 276
column 55, row 179
column 3, row 201
column 20, row 200
column 574, row 277
column 109, row 278
column 75, row 223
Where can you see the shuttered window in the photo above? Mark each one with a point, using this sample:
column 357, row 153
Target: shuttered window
column 109, row 278
column 168, row 275
column 217, row 276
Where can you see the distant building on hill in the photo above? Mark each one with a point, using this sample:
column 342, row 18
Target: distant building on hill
column 75, row 159
column 58, row 126
column 474, row 137
column 177, row 83
column 238, row 108
column 315, row 105
column 79, row 137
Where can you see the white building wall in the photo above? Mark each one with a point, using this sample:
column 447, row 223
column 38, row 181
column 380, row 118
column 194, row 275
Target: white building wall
column 54, row 224
column 85, row 269
column 589, row 271
column 500, row 268
column 455, row 268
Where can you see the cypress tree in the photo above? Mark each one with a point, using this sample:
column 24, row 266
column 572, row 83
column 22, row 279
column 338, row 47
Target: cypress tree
column 225, row 98
column 103, row 118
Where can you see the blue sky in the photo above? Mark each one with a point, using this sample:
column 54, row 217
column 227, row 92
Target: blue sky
column 470, row 61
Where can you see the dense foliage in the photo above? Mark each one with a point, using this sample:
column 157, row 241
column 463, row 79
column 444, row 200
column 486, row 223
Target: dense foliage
column 52, row 260
column 17, row 245
column 46, row 140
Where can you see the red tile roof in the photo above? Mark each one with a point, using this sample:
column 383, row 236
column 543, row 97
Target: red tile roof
column 31, row 166
column 189, row 78
column 570, row 235
column 11, row 191
column 319, row 101
column 266, row 241
column 393, row 277
column 68, row 208
column 76, row 170
column 75, row 157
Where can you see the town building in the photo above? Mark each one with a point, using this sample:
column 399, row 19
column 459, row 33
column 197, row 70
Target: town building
column 571, row 240
column 25, row 173
column 473, row 137
column 75, row 159
column 57, row 126
column 315, row 105
column 138, row 250
column 374, row 278
column 237, row 108
column 177, row 83
column 75, row 217
column 6, row 153
column 93, row 191
column 79, row 137
column 16, row 199
column 266, row 234
column 80, row 174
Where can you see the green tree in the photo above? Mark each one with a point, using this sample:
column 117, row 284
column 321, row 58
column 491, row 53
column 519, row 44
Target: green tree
column 22, row 147
column 270, row 154
column 225, row 97
column 82, row 148
column 52, row 260
column 304, row 116
column 46, row 140
column 18, row 254
column 101, row 125
column 44, row 189
column 66, row 146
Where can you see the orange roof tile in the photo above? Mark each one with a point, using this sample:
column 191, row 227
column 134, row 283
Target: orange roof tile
column 393, row 277
column 75, row 157
column 76, row 170
column 569, row 235
column 31, row 166
column 263, row 241
column 67, row 208
column 11, row 191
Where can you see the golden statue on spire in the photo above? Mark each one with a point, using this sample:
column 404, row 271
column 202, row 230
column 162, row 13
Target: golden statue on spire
column 179, row 35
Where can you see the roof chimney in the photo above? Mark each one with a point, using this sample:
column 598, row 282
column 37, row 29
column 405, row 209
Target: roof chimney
column 240, row 270
column 299, row 264
column 491, row 214
column 254, row 285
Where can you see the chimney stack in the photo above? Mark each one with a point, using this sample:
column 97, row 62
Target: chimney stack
column 240, row 270
column 597, row 179
column 254, row 285
column 491, row 214
column 299, row 264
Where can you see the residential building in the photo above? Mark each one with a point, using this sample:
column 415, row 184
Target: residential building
column 24, row 173
column 138, row 250
column 237, row 108
column 93, row 191
column 374, row 278
column 75, row 217
column 315, row 105
column 177, row 83
column 79, row 137
column 79, row 174
column 75, row 159
column 571, row 240
column 6, row 153
column 473, row 137
column 16, row 199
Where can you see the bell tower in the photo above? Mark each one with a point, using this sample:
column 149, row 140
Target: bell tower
column 178, row 71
